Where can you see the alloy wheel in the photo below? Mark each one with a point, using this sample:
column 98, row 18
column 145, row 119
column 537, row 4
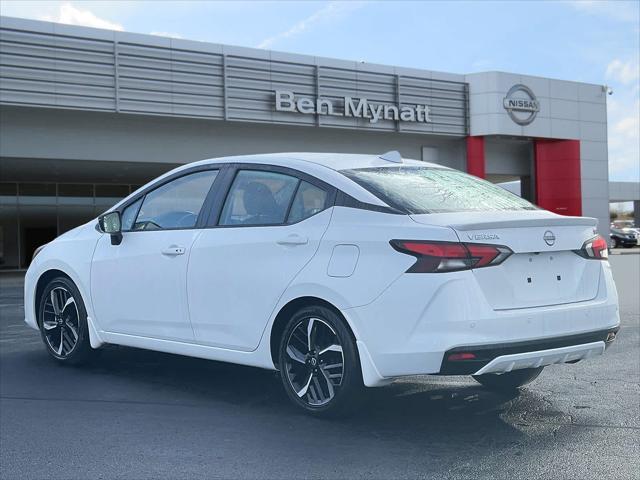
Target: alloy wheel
column 314, row 361
column 60, row 321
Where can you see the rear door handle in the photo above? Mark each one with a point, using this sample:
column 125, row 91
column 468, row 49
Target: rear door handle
column 173, row 250
column 293, row 239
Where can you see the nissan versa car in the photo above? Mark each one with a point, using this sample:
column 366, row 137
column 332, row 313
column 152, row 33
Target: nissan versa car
column 626, row 237
column 340, row 271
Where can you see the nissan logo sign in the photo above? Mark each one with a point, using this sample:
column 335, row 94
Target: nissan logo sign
column 549, row 238
column 521, row 104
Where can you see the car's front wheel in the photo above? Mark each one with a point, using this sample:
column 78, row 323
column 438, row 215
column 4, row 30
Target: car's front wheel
column 62, row 318
column 509, row 381
column 319, row 362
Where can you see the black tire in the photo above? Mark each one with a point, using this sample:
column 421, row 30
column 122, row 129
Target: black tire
column 68, row 319
column 298, row 369
column 616, row 243
column 510, row 381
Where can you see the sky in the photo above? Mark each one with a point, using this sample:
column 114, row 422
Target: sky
column 590, row 41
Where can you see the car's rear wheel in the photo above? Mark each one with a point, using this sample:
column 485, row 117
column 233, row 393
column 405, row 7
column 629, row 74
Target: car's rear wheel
column 616, row 243
column 319, row 363
column 62, row 318
column 509, row 381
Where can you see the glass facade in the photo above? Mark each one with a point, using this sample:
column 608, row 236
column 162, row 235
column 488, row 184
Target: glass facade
column 32, row 214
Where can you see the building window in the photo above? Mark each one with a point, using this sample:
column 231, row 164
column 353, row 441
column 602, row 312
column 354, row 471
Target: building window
column 32, row 214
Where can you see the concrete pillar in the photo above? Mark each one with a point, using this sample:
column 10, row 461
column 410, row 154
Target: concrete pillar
column 636, row 213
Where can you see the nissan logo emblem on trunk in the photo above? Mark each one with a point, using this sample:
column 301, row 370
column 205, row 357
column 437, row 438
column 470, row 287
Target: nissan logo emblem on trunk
column 549, row 238
column 521, row 104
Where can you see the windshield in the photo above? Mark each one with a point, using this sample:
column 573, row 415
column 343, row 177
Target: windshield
column 417, row 190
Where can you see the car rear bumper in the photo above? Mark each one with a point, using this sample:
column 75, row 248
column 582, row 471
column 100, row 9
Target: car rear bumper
column 504, row 357
column 412, row 327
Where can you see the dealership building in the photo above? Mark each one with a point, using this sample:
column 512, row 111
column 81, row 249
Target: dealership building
column 88, row 115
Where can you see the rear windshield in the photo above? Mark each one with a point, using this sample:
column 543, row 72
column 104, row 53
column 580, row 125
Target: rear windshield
column 417, row 190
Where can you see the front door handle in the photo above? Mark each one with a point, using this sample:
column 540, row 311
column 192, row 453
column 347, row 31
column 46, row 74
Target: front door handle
column 173, row 250
column 293, row 239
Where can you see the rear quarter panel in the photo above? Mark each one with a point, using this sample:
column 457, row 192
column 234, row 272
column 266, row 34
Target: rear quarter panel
column 378, row 265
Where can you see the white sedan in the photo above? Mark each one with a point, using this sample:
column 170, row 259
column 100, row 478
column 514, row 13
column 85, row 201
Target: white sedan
column 340, row 271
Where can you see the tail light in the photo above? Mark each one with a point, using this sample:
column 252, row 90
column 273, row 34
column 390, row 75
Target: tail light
column 595, row 248
column 434, row 257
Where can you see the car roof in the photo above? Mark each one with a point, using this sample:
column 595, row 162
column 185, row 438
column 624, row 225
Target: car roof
column 333, row 161
column 324, row 166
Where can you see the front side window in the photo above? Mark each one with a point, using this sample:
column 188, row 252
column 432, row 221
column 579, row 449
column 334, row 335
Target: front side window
column 129, row 215
column 176, row 204
column 417, row 190
column 258, row 197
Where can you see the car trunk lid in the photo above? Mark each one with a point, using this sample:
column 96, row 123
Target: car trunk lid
column 544, row 269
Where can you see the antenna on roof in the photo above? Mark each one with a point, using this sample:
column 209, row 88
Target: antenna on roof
column 392, row 156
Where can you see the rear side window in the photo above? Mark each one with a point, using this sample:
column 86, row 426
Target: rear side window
column 308, row 201
column 417, row 190
column 258, row 197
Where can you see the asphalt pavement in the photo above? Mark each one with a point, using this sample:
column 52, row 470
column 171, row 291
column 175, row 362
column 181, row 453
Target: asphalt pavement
column 145, row 415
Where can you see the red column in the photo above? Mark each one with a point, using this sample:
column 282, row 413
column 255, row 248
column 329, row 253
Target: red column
column 475, row 156
column 557, row 171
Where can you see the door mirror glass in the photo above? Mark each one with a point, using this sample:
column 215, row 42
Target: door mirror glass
column 110, row 223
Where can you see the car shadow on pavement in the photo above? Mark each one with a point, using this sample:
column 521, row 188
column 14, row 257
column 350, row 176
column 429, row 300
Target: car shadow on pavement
column 448, row 423
column 445, row 404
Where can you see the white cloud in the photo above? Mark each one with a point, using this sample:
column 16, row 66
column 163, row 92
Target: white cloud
column 70, row 15
column 628, row 127
column 167, row 34
column 624, row 72
column 623, row 115
column 615, row 10
column 331, row 11
column 624, row 135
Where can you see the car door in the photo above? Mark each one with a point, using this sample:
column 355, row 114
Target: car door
column 268, row 227
column 139, row 287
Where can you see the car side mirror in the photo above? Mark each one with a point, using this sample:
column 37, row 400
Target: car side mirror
column 110, row 223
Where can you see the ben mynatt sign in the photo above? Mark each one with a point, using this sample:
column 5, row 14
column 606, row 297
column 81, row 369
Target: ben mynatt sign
column 285, row 101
